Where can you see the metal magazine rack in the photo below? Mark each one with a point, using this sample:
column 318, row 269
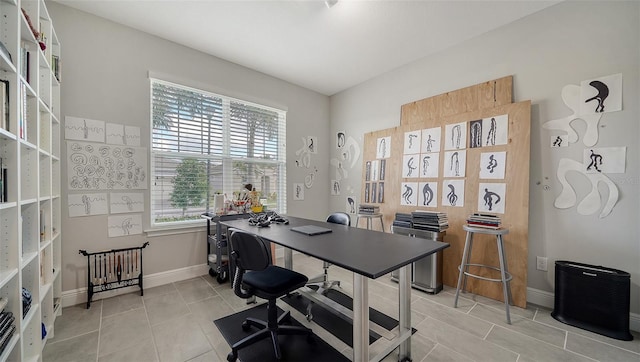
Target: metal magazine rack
column 113, row 269
column 217, row 248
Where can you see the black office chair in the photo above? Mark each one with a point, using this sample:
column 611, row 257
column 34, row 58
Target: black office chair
column 255, row 275
column 322, row 281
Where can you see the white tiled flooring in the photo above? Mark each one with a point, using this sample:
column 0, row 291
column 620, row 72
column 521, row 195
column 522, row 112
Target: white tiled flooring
column 174, row 322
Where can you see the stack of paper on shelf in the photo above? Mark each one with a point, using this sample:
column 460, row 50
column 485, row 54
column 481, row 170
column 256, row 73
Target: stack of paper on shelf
column 487, row 221
column 403, row 220
column 429, row 220
column 368, row 209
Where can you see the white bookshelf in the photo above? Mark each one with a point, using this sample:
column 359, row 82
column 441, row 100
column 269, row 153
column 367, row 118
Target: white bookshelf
column 30, row 220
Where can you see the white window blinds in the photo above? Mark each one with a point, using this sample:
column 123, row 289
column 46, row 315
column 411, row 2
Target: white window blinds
column 205, row 144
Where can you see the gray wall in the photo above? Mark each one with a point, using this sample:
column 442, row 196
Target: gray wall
column 564, row 44
column 105, row 70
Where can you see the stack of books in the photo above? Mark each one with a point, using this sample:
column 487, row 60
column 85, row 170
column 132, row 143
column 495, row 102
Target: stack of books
column 487, row 221
column 403, row 220
column 368, row 209
column 7, row 325
column 429, row 220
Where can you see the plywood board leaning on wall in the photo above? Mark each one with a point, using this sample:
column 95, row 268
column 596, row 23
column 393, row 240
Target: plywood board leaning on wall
column 516, row 198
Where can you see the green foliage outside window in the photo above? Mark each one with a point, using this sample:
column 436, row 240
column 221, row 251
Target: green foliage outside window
column 189, row 185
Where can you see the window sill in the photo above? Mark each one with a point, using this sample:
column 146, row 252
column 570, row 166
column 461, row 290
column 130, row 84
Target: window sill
column 176, row 229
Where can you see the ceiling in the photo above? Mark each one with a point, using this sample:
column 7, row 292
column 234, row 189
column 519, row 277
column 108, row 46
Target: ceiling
column 305, row 42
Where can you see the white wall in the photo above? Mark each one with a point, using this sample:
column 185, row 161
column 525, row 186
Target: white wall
column 561, row 45
column 105, row 77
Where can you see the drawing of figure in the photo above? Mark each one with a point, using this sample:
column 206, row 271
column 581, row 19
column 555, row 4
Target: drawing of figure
column 127, row 200
column 126, row 226
column 476, row 134
column 451, row 196
column 411, row 137
column 425, row 164
column 488, row 198
column 406, row 195
column 491, row 136
column 492, row 163
column 430, row 142
column 87, row 204
column 603, row 93
column 456, row 134
column 298, row 191
column 383, row 166
column 311, row 145
column 352, row 205
column 382, row 148
column 410, row 166
column 455, row 165
column 336, row 187
column 557, row 142
column 341, row 139
column 427, row 194
column 596, row 159
column 381, row 192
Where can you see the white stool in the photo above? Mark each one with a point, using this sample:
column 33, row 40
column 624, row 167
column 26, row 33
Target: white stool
column 369, row 217
column 505, row 276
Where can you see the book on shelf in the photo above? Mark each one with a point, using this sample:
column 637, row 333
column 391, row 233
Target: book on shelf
column 42, row 225
column 487, row 221
column 3, row 50
column 4, row 105
column 3, row 181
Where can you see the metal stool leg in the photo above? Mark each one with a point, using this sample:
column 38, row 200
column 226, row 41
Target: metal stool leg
column 467, row 262
column 505, row 283
column 463, row 266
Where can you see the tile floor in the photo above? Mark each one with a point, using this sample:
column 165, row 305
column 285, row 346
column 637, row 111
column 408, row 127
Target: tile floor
column 173, row 322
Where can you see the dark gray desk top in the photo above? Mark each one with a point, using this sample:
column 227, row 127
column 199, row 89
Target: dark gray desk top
column 369, row 253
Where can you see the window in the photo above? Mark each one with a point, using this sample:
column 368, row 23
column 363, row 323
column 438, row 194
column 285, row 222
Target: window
column 205, row 144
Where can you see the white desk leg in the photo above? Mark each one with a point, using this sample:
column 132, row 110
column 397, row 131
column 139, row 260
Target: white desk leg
column 404, row 297
column 360, row 318
column 288, row 258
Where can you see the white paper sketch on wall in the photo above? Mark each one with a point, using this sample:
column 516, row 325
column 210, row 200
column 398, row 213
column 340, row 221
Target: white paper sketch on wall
column 383, row 147
column 411, row 166
column 409, row 194
column 367, row 189
column 493, row 165
column 475, row 133
column 491, row 197
column 83, row 129
column 383, row 169
column 374, row 192
column 92, row 166
column 132, row 136
column 367, row 171
column 455, row 163
column 312, row 143
column 348, row 155
column 429, row 164
column 412, row 142
column 571, row 98
column 605, row 159
column 428, row 194
column 350, row 205
column 123, row 225
column 298, row 191
column 335, row 187
column 601, row 95
column 431, row 140
column 559, row 141
column 87, row 204
column 380, row 192
column 592, row 202
column 341, row 139
column 455, row 136
column 125, row 202
column 303, row 154
column 375, row 172
column 115, row 134
column 495, row 130
column 310, row 178
column 453, row 193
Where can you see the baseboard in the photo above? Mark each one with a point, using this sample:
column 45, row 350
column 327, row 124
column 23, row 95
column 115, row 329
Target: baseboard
column 546, row 299
column 78, row 296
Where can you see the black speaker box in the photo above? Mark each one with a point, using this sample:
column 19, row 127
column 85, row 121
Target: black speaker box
column 594, row 298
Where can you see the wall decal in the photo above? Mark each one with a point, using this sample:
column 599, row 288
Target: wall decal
column 124, row 202
column 429, row 165
column 493, row 165
column 453, row 193
column 428, row 196
column 571, row 98
column 298, row 191
column 335, row 187
column 491, row 197
column 560, row 141
column 455, row 163
column 409, row 194
column 83, row 129
column 410, row 166
column 87, row 204
column 592, row 202
column 455, row 136
column 475, row 134
column 383, row 147
column 123, row 225
column 605, row 159
column 601, row 95
column 495, row 130
column 412, row 142
column 431, row 139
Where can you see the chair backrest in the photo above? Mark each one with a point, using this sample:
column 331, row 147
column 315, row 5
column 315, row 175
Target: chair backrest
column 339, row 218
column 249, row 251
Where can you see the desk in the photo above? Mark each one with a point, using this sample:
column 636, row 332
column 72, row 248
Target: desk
column 369, row 255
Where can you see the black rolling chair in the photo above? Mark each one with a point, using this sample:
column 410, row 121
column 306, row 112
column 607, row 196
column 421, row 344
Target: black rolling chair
column 322, row 281
column 255, row 275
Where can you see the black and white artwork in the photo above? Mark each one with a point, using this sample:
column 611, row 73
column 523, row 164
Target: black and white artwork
column 429, row 165
column 375, row 170
column 409, row 194
column 87, row 204
column 350, row 205
column 374, row 192
column 303, row 153
column 341, row 139
column 347, row 157
column 604, row 159
column 123, row 225
column 335, row 187
column 380, row 192
column 83, row 129
column 298, row 191
column 312, row 144
column 601, row 95
column 411, row 166
column 455, row 163
column 367, row 189
column 453, row 193
column 495, row 130
column 455, row 136
column 491, row 197
column 475, row 134
column 428, row 194
column 431, row 140
column 383, row 147
column 125, row 202
column 559, row 141
column 571, row 97
column 383, row 168
column 493, row 165
column 118, row 134
column 412, row 142
column 367, row 171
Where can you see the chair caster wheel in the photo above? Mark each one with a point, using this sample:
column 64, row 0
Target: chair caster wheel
column 232, row 357
column 309, row 317
column 245, row 326
column 406, row 359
